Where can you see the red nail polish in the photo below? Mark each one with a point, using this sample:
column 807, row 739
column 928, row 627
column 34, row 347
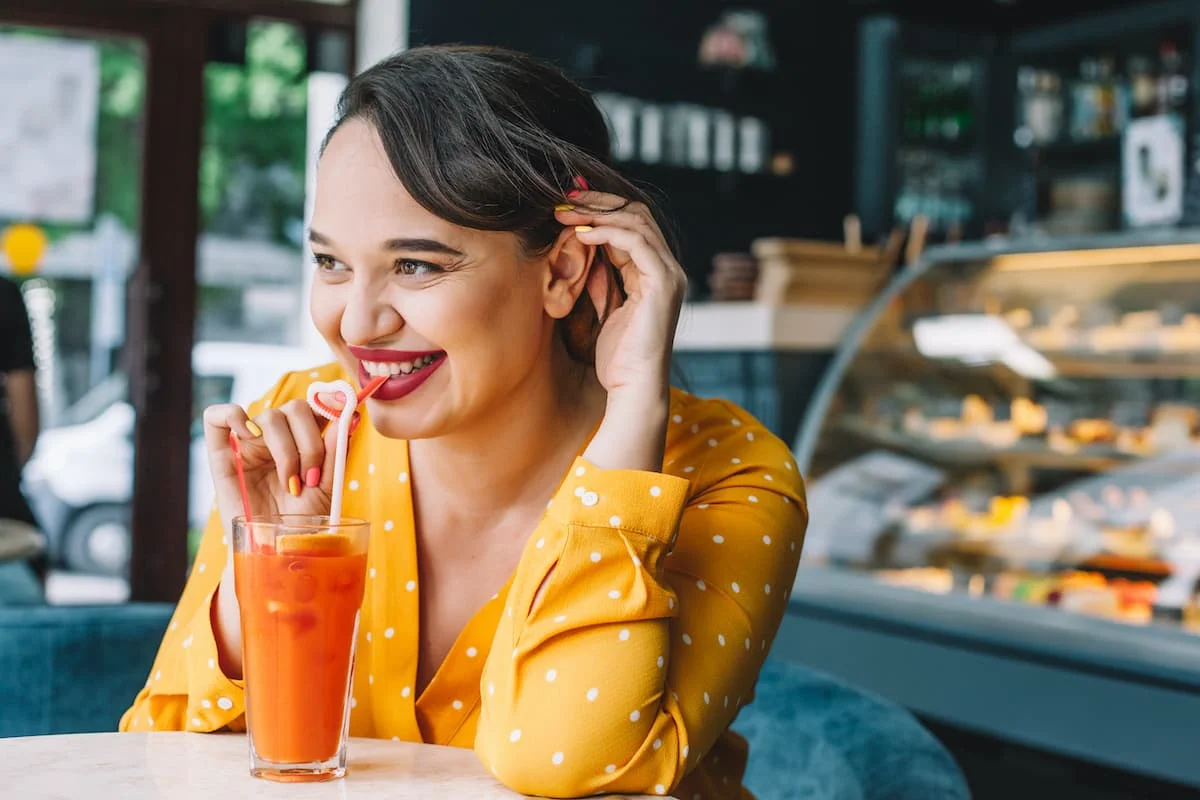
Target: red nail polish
column 354, row 422
column 571, row 195
column 312, row 478
column 581, row 182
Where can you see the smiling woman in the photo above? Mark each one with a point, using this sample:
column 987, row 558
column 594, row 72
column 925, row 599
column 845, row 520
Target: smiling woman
column 574, row 568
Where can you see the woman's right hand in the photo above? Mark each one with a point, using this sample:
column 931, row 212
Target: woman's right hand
column 286, row 457
column 288, row 463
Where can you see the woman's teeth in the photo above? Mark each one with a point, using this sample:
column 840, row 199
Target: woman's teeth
column 377, row 368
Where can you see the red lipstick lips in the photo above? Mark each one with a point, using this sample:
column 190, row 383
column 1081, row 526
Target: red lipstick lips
column 420, row 363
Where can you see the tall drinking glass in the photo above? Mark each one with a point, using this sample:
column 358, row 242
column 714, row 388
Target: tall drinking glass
column 299, row 582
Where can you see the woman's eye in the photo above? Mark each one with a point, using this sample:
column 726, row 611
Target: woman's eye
column 407, row 266
column 328, row 263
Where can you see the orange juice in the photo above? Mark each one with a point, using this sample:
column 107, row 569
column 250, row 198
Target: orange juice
column 300, row 597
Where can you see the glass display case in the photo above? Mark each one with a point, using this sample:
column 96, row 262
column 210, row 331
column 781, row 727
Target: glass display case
column 1003, row 471
column 1026, row 426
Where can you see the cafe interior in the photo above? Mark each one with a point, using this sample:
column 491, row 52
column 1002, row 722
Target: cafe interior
column 945, row 251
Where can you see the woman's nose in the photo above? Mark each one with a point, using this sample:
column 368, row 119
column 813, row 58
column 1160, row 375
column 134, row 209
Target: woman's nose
column 369, row 318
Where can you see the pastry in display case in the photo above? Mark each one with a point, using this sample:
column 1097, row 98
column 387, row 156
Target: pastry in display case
column 1023, row 426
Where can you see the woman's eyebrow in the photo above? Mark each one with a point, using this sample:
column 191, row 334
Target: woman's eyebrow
column 418, row 245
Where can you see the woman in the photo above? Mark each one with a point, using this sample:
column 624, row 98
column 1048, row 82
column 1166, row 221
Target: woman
column 472, row 240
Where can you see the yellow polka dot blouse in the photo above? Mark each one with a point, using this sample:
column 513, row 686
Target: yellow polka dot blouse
column 666, row 591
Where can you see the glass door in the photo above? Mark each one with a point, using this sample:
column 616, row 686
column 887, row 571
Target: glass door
column 71, row 148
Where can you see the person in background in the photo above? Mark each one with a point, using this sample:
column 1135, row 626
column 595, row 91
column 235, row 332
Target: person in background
column 20, row 543
column 575, row 568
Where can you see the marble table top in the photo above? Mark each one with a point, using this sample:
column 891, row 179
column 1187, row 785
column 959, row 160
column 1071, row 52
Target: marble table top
column 183, row 766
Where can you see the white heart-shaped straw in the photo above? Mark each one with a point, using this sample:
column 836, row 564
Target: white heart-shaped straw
column 343, row 420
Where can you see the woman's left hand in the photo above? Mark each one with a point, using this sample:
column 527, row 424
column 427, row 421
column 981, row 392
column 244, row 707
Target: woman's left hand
column 633, row 351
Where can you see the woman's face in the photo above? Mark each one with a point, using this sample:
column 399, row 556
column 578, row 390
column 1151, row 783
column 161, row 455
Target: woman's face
column 459, row 318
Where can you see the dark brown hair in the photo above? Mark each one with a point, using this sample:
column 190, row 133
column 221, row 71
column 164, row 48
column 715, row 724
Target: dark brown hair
column 492, row 139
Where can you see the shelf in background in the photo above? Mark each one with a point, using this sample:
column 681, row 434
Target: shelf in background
column 739, row 326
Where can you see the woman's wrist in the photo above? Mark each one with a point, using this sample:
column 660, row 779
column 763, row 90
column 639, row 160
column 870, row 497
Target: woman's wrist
column 633, row 433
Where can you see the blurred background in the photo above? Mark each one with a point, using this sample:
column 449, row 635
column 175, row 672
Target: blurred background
column 950, row 251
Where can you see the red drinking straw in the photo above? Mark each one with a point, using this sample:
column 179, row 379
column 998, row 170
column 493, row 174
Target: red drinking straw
column 236, row 444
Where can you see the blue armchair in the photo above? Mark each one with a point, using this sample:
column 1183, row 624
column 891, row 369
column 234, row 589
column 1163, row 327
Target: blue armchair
column 76, row 669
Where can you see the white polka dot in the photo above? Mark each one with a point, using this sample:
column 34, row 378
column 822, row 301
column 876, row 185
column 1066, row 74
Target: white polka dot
column 766, row 538
column 150, row 721
column 557, row 758
column 589, row 499
column 353, row 485
column 314, row 374
column 702, row 506
column 197, row 722
column 753, row 498
column 735, row 461
column 224, row 703
column 206, row 703
column 561, row 618
column 402, row 477
column 686, row 750
column 706, row 698
column 187, row 642
column 371, row 572
column 368, row 636
column 787, row 465
column 735, row 587
column 792, row 546
column 354, row 702
column 657, row 744
column 515, row 735
column 767, row 589
column 395, row 738
column 623, row 635
column 747, row 644
column 677, row 419
column 764, row 645
column 472, row 652
column 712, row 442
column 696, row 428
column 496, row 596
column 689, row 469
column 637, row 562
column 457, row 705
column 610, row 769
column 388, row 525
column 735, row 423
column 719, row 539
column 389, row 633
column 406, row 691
column 551, row 674
column 410, row 586
column 687, row 639
column 508, row 611
column 655, row 491
column 370, row 469
column 660, row 662
column 212, row 663
column 201, row 567
column 579, row 471
column 491, row 689
column 635, row 715
column 675, row 697
column 224, row 539
column 721, row 639
column 659, row 789
column 579, row 490
column 701, row 585
column 158, row 675
column 370, row 680
column 539, row 544
column 596, row 555
column 670, row 602
column 615, row 521
column 514, row 652
column 614, row 594
column 592, row 694
column 768, row 477
column 750, row 437
column 726, row 704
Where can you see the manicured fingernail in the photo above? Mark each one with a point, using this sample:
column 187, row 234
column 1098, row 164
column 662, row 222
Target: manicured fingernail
column 583, row 228
column 581, row 182
column 294, row 486
column 252, row 426
column 571, row 195
column 312, row 478
column 564, row 207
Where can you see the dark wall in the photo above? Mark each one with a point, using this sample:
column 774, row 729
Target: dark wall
column 648, row 50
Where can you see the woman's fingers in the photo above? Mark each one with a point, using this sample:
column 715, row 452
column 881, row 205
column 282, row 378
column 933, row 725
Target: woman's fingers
column 285, row 452
column 305, row 428
column 218, row 422
column 639, row 262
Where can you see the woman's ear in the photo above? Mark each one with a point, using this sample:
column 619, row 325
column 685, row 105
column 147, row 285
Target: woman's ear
column 569, row 265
